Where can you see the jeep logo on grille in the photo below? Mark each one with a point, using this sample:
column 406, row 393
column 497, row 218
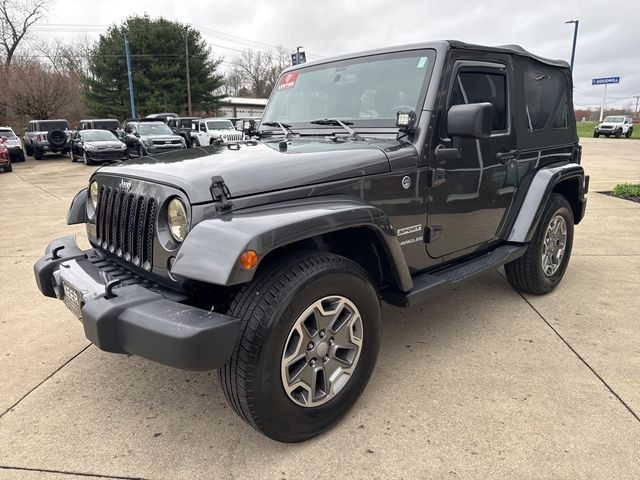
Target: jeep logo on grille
column 124, row 185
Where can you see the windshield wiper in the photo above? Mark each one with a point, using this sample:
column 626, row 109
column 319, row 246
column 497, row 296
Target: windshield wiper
column 336, row 122
column 285, row 127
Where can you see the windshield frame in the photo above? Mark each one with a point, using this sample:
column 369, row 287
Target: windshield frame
column 377, row 124
column 621, row 118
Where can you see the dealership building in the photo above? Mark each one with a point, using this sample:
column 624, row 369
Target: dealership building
column 238, row 107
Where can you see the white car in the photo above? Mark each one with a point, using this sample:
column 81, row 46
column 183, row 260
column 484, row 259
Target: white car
column 210, row 129
column 616, row 125
column 13, row 143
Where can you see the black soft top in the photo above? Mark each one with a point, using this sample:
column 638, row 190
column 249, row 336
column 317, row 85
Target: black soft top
column 441, row 47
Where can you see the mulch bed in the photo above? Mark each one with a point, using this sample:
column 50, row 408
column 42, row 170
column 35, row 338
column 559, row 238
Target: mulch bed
column 632, row 199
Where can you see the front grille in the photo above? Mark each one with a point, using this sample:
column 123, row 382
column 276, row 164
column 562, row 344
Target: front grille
column 232, row 138
column 167, row 142
column 125, row 225
column 107, row 155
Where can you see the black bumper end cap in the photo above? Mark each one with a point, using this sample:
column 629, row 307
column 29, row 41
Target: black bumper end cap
column 59, row 250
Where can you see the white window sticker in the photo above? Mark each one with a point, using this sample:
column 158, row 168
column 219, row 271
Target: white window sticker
column 422, row 62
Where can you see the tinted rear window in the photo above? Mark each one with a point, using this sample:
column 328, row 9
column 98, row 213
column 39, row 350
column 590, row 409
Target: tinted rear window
column 6, row 133
column 106, row 124
column 545, row 94
column 53, row 125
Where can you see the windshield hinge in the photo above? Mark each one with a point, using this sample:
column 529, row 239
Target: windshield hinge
column 220, row 193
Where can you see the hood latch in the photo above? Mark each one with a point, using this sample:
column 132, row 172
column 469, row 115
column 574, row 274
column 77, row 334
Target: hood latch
column 220, row 193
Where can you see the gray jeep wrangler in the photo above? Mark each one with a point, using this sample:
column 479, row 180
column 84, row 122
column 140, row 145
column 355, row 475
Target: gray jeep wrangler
column 390, row 175
column 42, row 136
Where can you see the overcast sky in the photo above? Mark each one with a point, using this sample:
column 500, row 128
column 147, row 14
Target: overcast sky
column 608, row 38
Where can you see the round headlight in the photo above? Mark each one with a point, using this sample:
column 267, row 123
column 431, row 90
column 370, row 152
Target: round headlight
column 177, row 219
column 93, row 194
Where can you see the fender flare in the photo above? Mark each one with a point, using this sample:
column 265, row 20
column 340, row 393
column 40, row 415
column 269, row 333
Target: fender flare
column 211, row 250
column 78, row 208
column 538, row 194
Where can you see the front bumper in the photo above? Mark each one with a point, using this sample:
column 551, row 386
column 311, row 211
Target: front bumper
column 122, row 315
column 164, row 148
column 106, row 155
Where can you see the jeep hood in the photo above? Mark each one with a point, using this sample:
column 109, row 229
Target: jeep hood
column 260, row 168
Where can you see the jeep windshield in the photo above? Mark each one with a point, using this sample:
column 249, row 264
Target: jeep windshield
column 363, row 92
column 155, row 129
column 106, row 124
column 614, row 120
column 220, row 125
column 52, row 125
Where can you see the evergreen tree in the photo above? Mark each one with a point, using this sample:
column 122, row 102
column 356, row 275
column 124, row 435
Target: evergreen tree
column 158, row 69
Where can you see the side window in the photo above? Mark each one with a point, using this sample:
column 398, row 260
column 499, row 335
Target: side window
column 546, row 96
column 478, row 87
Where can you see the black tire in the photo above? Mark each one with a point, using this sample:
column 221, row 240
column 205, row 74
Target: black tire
column 618, row 134
column 140, row 151
column 29, row 150
column 85, row 159
column 629, row 133
column 38, row 154
column 526, row 273
column 73, row 157
column 596, row 135
column 8, row 168
column 268, row 307
column 57, row 138
column 21, row 156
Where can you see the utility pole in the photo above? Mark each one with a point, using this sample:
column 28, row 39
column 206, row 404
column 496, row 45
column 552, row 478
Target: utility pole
column 575, row 38
column 637, row 97
column 186, row 62
column 604, row 97
column 128, row 55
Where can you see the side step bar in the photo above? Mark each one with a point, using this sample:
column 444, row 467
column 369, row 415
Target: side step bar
column 429, row 284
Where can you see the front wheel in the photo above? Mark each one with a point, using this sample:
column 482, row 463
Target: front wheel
column 542, row 267
column 596, row 134
column 310, row 337
column 85, row 159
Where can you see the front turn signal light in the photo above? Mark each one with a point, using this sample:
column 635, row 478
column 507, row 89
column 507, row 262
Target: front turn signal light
column 249, row 259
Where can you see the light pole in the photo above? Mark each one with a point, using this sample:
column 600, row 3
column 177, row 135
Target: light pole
column 575, row 37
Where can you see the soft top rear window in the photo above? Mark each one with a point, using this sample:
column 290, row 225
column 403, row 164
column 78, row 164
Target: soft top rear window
column 53, row 125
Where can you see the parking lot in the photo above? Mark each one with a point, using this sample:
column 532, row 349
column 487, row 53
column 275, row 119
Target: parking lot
column 480, row 383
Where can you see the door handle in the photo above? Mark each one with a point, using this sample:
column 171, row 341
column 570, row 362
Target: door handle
column 505, row 157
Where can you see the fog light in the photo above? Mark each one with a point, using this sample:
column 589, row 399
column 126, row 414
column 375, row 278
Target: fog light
column 248, row 259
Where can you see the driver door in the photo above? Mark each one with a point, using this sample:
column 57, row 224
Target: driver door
column 471, row 194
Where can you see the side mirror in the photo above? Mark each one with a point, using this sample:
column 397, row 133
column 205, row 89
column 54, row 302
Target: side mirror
column 473, row 120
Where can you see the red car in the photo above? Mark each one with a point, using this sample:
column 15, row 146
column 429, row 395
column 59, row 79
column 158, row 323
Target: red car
column 5, row 158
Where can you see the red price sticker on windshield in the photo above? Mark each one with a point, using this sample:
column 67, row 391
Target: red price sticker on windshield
column 288, row 80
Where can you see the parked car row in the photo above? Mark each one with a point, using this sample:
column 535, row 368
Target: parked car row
column 103, row 139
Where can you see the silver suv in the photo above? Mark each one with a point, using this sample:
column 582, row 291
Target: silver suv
column 42, row 136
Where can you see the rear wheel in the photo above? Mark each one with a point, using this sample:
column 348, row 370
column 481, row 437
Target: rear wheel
column 310, row 339
column 629, row 133
column 38, row 154
column 8, row 168
column 29, row 150
column 542, row 267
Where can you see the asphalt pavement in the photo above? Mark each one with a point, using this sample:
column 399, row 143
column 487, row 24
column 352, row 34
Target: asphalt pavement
column 482, row 382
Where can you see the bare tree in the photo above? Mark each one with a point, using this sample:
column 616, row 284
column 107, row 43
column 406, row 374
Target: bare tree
column 38, row 91
column 255, row 72
column 16, row 18
column 67, row 58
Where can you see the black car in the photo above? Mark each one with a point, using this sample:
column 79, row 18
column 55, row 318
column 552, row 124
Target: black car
column 97, row 146
column 390, row 175
column 183, row 126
